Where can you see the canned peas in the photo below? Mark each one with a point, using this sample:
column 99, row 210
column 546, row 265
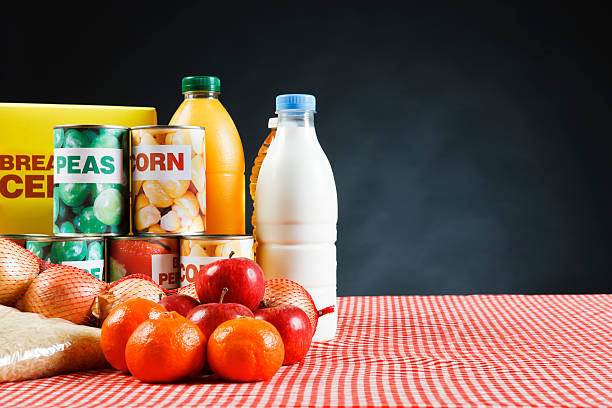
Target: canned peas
column 91, row 190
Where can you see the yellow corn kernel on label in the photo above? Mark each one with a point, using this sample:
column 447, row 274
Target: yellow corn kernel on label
column 26, row 156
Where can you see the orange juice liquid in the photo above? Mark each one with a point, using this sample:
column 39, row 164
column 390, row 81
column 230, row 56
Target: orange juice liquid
column 224, row 161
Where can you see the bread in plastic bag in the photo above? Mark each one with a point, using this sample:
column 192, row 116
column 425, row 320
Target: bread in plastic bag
column 33, row 346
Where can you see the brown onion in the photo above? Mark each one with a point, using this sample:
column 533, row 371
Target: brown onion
column 18, row 268
column 130, row 287
column 62, row 291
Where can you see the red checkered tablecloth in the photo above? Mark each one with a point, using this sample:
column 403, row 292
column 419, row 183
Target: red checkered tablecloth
column 399, row 351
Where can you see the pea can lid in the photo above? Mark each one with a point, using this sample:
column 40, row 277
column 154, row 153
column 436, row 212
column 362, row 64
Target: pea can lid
column 90, row 127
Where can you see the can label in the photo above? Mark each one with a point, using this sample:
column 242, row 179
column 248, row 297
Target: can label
column 192, row 265
column 154, row 257
column 161, row 162
column 88, row 165
column 165, row 270
column 168, row 180
column 91, row 189
column 86, row 254
column 94, row 267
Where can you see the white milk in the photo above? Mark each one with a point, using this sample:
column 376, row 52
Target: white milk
column 297, row 210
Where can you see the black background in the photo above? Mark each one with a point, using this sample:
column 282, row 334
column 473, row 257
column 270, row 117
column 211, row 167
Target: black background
column 470, row 145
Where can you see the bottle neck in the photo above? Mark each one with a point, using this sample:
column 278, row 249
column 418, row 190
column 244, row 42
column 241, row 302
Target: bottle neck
column 201, row 95
column 303, row 119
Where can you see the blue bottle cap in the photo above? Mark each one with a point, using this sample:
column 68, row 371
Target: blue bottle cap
column 303, row 102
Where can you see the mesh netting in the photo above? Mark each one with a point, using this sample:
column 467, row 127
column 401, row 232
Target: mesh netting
column 287, row 292
column 18, row 268
column 130, row 287
column 188, row 290
column 44, row 265
column 62, row 291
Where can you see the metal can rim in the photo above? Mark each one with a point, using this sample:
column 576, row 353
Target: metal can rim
column 91, row 127
column 87, row 234
column 141, row 237
column 167, row 127
column 160, row 234
column 65, row 238
column 21, row 236
column 217, row 236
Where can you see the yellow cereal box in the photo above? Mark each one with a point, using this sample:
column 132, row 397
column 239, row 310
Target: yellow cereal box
column 26, row 156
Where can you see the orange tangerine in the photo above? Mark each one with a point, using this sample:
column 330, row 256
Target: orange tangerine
column 245, row 349
column 119, row 325
column 166, row 349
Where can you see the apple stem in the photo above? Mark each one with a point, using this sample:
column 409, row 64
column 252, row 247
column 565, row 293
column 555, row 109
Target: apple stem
column 223, row 292
column 263, row 304
column 326, row 310
column 231, row 254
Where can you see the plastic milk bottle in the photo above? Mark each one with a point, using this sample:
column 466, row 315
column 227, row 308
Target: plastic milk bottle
column 297, row 208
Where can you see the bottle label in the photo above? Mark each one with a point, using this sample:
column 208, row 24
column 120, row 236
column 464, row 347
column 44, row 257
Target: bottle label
column 88, row 165
column 94, row 267
column 165, row 270
column 164, row 162
column 192, row 265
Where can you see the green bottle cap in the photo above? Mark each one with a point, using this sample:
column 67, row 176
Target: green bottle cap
column 201, row 83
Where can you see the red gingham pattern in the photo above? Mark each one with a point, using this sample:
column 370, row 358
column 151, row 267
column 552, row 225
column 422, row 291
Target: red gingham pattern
column 511, row 350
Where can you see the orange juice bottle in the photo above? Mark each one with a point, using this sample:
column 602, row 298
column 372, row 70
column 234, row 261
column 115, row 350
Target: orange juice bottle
column 224, row 155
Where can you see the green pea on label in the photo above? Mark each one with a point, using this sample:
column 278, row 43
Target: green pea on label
column 91, row 192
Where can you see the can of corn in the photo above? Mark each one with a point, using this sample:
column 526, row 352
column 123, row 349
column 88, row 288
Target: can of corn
column 168, row 180
column 91, row 185
column 200, row 250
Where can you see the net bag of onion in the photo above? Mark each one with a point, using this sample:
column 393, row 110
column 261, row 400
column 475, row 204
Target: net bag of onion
column 18, row 268
column 287, row 292
column 73, row 294
column 62, row 291
column 188, row 290
column 130, row 287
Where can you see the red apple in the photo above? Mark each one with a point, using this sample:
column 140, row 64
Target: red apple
column 211, row 315
column 294, row 327
column 243, row 278
column 181, row 304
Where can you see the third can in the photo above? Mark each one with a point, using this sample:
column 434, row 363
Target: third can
column 168, row 180
column 157, row 257
column 91, row 190
column 200, row 250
